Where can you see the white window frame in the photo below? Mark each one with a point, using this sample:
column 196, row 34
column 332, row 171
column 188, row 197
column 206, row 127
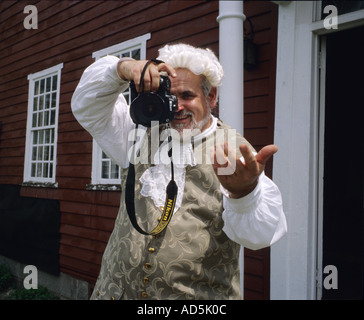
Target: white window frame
column 32, row 78
column 97, row 182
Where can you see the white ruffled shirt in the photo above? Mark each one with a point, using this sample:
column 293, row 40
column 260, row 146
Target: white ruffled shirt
column 156, row 178
column 254, row 221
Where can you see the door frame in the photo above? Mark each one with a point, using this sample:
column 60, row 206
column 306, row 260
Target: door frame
column 296, row 260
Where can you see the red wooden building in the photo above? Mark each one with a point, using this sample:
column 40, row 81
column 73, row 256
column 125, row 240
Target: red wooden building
column 46, row 155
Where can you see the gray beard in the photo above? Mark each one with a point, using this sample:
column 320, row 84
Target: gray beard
column 194, row 128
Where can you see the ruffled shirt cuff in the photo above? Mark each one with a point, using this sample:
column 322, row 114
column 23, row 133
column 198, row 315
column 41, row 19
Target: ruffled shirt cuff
column 244, row 204
column 256, row 220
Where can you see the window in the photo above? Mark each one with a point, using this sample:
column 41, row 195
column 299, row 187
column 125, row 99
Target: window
column 42, row 125
column 104, row 170
column 343, row 6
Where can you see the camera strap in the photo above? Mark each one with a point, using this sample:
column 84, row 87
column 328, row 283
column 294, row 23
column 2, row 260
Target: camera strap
column 141, row 82
column 171, row 190
column 171, row 195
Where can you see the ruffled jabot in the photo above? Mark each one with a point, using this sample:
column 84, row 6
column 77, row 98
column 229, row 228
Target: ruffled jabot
column 156, row 178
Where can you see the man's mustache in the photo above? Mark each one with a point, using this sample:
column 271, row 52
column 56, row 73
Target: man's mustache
column 183, row 113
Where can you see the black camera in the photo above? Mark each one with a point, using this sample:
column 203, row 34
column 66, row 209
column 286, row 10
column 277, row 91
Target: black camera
column 158, row 106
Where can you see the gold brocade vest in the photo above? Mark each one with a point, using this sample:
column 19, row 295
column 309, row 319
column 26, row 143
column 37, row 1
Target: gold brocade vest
column 191, row 259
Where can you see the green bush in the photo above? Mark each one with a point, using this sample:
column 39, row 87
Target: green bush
column 6, row 278
column 31, row 294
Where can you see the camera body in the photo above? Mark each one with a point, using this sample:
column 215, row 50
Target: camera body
column 158, row 106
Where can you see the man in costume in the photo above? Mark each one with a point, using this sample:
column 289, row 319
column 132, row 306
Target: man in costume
column 215, row 211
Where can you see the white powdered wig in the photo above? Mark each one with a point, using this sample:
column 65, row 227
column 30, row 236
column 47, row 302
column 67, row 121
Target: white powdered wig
column 199, row 61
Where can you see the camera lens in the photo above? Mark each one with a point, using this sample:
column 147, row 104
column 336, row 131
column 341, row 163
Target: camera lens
column 146, row 108
column 149, row 111
column 151, row 106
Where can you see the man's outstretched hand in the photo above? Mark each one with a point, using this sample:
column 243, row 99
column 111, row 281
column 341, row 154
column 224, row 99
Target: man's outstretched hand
column 240, row 178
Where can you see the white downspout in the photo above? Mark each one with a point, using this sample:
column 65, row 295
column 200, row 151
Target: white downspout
column 231, row 43
column 231, row 94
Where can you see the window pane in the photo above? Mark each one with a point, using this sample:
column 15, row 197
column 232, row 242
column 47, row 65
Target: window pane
column 45, row 170
column 46, row 118
column 36, row 87
column 34, row 154
column 40, row 136
column 40, row 153
column 47, row 136
column 114, row 171
column 53, row 117
column 54, row 83
column 54, row 100
column 105, row 170
column 41, row 102
column 136, row 54
column 47, row 101
column 42, row 83
column 51, row 170
column 32, row 173
column 35, row 104
column 52, row 135
column 40, row 119
column 34, row 120
column 39, row 170
column 35, row 137
column 46, row 153
column 48, row 84
column 51, row 155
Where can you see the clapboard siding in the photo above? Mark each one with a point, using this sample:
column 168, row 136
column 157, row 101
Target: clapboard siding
column 68, row 32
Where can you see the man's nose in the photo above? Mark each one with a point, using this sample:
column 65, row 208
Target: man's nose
column 180, row 106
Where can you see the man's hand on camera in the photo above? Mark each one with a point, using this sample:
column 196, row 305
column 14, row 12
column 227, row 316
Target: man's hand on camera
column 131, row 70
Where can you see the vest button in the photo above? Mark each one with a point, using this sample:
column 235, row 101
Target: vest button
column 144, row 294
column 148, row 265
column 145, row 280
column 151, row 250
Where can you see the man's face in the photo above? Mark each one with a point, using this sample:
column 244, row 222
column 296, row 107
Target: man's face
column 194, row 109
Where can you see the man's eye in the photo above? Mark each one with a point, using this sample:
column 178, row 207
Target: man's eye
column 187, row 96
